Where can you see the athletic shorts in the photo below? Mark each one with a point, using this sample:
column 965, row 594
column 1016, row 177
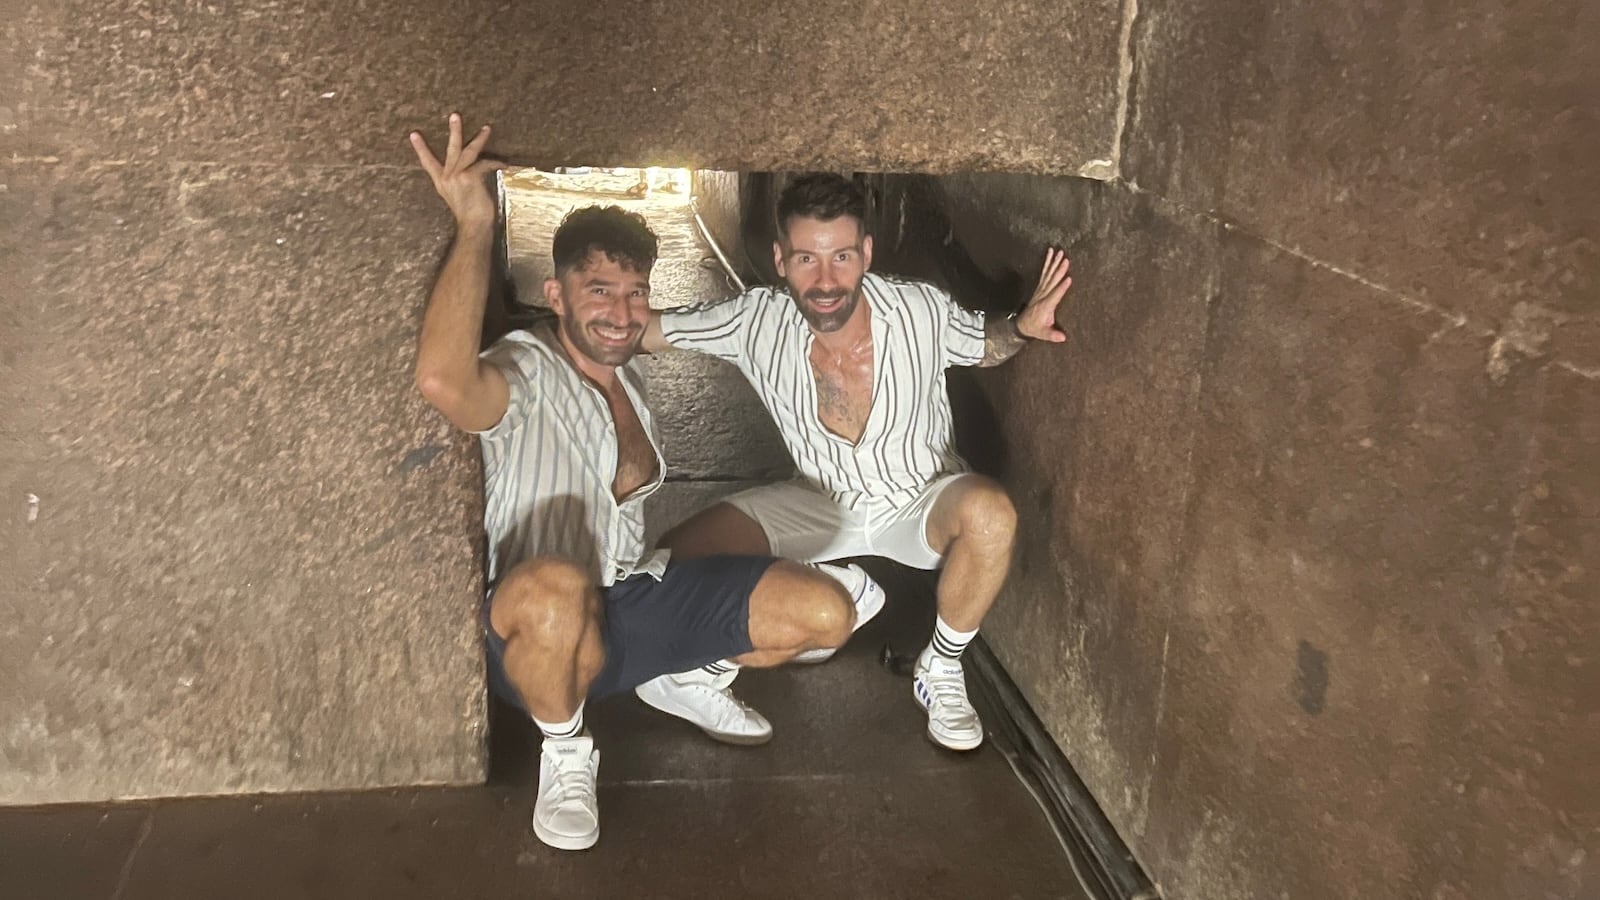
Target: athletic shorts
column 698, row 613
column 804, row 524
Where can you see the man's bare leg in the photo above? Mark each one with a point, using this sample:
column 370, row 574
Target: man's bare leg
column 974, row 525
column 548, row 613
column 796, row 608
column 722, row 528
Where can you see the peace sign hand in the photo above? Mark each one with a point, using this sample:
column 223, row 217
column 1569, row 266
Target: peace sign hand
column 459, row 179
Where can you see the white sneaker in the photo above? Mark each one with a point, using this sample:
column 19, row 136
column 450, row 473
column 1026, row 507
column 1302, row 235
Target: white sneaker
column 864, row 592
column 566, row 814
column 707, row 701
column 940, row 687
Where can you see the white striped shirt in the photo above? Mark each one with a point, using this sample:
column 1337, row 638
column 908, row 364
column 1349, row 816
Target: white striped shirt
column 548, row 465
column 918, row 331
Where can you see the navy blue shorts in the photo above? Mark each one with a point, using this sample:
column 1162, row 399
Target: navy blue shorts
column 698, row 613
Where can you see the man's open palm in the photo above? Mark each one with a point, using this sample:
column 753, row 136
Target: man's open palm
column 1038, row 319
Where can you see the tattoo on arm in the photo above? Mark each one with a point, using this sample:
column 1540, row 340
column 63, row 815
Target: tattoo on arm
column 1001, row 340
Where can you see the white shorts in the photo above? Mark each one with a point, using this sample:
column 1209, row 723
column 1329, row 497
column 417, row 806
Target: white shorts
column 804, row 524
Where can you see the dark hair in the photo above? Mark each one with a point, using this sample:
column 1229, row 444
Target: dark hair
column 621, row 235
column 824, row 196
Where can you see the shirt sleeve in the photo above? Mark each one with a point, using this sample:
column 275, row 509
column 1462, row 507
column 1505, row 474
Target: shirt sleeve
column 718, row 329
column 963, row 333
column 516, row 361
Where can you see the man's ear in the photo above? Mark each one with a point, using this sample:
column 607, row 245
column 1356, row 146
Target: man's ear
column 866, row 253
column 552, row 296
column 777, row 259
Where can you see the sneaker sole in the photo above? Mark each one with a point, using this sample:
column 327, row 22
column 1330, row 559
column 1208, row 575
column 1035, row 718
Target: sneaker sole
column 737, row 740
column 565, row 841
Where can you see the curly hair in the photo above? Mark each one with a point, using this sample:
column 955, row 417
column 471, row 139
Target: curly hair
column 622, row 236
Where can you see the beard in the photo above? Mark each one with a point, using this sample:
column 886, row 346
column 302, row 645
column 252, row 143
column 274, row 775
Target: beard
column 591, row 347
column 833, row 319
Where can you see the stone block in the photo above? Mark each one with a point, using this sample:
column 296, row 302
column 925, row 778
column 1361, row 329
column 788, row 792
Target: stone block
column 732, row 85
column 253, row 565
column 1443, row 152
column 1355, row 470
column 712, row 423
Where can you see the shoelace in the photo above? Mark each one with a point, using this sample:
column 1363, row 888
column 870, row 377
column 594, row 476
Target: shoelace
column 947, row 690
column 571, row 785
column 726, row 694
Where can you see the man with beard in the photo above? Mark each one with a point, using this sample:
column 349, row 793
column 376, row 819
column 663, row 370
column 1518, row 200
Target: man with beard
column 851, row 365
column 577, row 608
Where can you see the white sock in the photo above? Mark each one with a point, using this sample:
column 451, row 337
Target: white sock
column 948, row 642
column 721, row 667
column 568, row 729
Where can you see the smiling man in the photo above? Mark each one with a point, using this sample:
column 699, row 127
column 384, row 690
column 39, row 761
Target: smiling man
column 577, row 608
column 851, row 365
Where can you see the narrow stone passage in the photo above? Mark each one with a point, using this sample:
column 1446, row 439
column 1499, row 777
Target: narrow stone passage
column 849, row 800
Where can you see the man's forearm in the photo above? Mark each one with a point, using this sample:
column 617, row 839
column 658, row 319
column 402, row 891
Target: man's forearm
column 1001, row 340
column 452, row 326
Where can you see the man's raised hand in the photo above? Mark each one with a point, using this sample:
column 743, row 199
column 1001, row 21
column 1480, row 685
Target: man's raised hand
column 459, row 178
column 1038, row 319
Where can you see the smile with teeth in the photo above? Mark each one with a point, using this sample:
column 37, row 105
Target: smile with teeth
column 612, row 335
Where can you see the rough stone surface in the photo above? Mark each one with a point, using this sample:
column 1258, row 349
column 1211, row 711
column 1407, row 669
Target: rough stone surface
column 1304, row 586
column 250, row 564
column 1332, row 666
column 1445, row 152
column 713, row 426
column 738, row 84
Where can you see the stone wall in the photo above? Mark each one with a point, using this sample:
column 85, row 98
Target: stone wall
column 1307, row 583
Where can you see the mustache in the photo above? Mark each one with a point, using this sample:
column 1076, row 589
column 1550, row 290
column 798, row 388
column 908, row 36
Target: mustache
column 816, row 294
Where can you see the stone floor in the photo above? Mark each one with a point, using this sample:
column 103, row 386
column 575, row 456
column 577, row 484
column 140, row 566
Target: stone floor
column 848, row 801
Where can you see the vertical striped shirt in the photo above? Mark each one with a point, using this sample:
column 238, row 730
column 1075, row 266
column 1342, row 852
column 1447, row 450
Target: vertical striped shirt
column 918, row 331
column 549, row 462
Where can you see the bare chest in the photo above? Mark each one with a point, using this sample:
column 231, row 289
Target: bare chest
column 844, row 392
column 636, row 457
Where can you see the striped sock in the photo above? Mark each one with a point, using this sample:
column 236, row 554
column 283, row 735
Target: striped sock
column 568, row 729
column 947, row 641
column 720, row 667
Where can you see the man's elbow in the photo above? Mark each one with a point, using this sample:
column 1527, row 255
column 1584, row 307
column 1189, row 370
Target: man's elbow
column 464, row 405
column 442, row 392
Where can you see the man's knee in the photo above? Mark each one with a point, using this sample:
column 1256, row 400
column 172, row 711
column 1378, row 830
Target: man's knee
column 544, row 598
column 820, row 605
column 987, row 513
